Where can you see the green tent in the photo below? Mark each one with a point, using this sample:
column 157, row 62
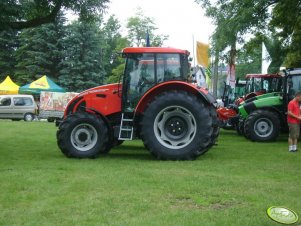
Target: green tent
column 42, row 84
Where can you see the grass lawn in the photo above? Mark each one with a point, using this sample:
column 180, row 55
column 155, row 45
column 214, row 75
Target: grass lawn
column 232, row 184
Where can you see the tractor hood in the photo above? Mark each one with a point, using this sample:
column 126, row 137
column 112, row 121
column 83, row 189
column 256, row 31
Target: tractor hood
column 105, row 89
column 261, row 97
column 262, row 101
column 104, row 100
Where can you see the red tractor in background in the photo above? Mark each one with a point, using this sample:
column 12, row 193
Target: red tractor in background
column 256, row 84
column 155, row 102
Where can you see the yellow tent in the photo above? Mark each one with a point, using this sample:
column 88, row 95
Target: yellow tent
column 8, row 87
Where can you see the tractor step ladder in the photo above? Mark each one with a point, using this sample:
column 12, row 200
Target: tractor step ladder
column 126, row 128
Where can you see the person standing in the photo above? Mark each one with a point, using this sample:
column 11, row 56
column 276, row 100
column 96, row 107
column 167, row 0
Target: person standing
column 293, row 121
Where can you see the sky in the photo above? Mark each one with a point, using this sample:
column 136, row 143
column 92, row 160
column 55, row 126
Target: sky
column 182, row 20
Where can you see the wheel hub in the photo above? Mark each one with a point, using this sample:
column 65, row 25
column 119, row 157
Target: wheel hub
column 176, row 127
column 84, row 137
column 263, row 127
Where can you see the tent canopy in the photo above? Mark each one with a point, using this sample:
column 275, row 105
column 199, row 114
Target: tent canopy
column 42, row 84
column 8, row 87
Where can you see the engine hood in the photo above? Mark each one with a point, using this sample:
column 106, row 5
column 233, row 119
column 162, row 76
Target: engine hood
column 262, row 102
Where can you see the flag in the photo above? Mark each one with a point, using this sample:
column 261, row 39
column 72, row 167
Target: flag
column 265, row 60
column 147, row 39
column 202, row 54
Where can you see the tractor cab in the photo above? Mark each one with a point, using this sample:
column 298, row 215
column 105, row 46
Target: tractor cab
column 292, row 84
column 258, row 84
column 147, row 67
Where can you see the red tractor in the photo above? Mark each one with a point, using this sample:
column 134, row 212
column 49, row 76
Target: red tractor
column 258, row 84
column 155, row 102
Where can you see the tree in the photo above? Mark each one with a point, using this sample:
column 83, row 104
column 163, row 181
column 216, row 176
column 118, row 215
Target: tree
column 26, row 14
column 139, row 26
column 286, row 18
column 40, row 51
column 8, row 44
column 83, row 64
column 113, row 63
column 257, row 16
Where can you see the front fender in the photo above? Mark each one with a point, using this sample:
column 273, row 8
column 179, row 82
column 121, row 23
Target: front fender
column 268, row 102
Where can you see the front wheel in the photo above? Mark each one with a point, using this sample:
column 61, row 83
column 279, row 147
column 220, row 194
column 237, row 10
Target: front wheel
column 176, row 126
column 28, row 117
column 262, row 125
column 83, row 135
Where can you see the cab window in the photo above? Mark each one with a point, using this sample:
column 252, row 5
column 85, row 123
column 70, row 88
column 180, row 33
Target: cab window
column 22, row 101
column 6, row 101
column 168, row 67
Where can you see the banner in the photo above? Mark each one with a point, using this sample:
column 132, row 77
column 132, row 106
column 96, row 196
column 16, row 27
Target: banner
column 202, row 54
column 231, row 75
column 265, row 60
column 54, row 101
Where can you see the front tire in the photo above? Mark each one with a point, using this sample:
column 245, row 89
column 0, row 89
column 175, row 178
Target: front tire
column 83, row 135
column 28, row 117
column 176, row 126
column 262, row 125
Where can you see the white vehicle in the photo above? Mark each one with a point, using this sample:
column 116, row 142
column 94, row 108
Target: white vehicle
column 17, row 107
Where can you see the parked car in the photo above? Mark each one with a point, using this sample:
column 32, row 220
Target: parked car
column 17, row 107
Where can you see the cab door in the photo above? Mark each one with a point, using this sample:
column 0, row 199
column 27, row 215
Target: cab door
column 139, row 77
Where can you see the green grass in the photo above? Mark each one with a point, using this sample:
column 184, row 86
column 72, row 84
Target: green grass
column 232, row 184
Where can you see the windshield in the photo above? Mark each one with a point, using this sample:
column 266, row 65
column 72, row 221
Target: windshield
column 293, row 85
column 265, row 84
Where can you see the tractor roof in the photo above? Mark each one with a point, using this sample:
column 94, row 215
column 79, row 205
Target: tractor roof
column 263, row 76
column 153, row 50
column 295, row 71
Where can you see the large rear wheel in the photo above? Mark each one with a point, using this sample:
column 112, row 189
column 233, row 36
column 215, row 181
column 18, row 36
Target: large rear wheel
column 176, row 126
column 215, row 126
column 83, row 135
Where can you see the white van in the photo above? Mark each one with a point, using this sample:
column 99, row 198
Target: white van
column 18, row 107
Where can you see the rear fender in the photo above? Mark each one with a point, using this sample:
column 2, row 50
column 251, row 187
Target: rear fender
column 174, row 85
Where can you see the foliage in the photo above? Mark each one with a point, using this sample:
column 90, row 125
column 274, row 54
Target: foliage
column 8, row 44
column 139, row 26
column 229, row 185
column 116, row 74
column 40, row 51
column 114, row 63
column 26, row 13
column 83, row 65
column 235, row 18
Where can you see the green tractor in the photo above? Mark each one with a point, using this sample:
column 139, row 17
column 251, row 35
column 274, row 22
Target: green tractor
column 261, row 118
